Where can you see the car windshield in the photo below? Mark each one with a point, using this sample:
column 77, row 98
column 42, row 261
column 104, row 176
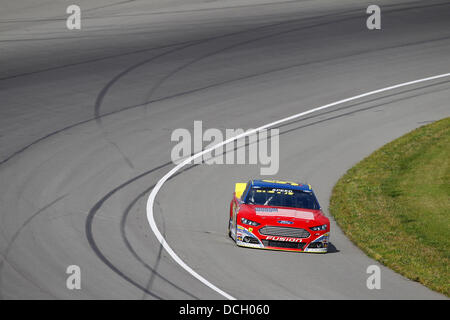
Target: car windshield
column 282, row 198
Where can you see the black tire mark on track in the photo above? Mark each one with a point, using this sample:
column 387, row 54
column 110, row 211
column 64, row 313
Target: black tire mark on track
column 351, row 17
column 16, row 234
column 365, row 109
column 90, row 236
column 106, row 88
column 153, row 270
column 93, row 60
column 184, row 66
column 180, row 94
column 57, row 18
column 104, row 91
column 368, row 101
column 158, row 258
column 266, row 4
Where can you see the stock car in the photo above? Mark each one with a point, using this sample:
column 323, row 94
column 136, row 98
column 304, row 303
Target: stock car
column 278, row 215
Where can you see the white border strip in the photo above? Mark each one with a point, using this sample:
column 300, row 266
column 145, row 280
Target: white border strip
column 158, row 186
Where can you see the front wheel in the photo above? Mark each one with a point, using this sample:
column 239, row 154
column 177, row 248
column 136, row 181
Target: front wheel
column 229, row 230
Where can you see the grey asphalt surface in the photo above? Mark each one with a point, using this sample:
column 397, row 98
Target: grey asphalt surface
column 86, row 118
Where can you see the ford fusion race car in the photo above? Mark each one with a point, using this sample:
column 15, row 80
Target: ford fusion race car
column 278, row 215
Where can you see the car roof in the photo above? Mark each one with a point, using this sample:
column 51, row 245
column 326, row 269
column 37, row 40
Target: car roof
column 281, row 184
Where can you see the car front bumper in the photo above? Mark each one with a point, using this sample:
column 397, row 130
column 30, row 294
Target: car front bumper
column 247, row 237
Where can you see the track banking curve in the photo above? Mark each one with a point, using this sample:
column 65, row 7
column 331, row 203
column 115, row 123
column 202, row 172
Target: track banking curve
column 87, row 117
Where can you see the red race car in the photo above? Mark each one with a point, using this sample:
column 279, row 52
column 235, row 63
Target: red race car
column 278, row 215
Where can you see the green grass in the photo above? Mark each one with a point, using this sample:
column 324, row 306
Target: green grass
column 395, row 205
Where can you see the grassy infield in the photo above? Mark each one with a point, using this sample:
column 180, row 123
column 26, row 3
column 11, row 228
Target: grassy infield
column 395, row 205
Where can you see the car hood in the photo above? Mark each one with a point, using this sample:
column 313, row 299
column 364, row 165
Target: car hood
column 290, row 217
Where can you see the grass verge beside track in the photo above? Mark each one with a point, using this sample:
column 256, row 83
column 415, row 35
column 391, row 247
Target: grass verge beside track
column 395, row 205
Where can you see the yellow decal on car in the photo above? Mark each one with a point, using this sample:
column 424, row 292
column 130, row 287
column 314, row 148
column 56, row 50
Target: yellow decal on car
column 239, row 189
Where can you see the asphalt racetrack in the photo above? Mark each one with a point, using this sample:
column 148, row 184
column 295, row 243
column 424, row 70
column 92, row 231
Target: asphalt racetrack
column 86, row 118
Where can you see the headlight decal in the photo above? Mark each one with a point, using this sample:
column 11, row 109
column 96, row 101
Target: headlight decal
column 320, row 228
column 249, row 222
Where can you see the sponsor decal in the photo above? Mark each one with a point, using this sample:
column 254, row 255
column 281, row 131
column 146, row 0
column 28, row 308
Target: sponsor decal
column 266, row 209
column 324, row 238
column 281, row 182
column 287, row 239
column 285, row 222
column 276, row 190
column 245, row 232
column 289, row 213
